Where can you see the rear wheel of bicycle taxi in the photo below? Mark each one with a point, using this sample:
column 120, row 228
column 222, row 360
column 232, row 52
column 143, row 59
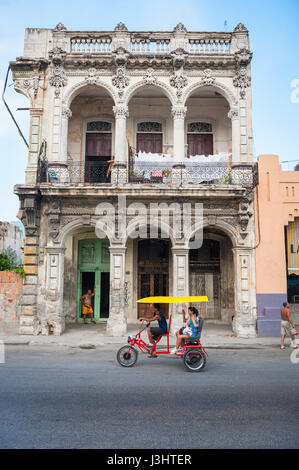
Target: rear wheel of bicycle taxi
column 194, row 359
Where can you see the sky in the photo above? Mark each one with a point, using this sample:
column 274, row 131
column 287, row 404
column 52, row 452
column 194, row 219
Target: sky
column 273, row 29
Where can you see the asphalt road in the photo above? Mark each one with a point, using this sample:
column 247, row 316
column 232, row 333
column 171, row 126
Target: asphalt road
column 84, row 399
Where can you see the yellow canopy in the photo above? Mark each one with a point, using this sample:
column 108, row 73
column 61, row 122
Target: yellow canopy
column 173, row 300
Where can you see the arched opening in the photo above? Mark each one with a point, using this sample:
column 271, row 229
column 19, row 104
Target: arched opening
column 211, row 273
column 86, row 267
column 208, row 128
column 91, row 135
column 150, row 133
column 152, row 272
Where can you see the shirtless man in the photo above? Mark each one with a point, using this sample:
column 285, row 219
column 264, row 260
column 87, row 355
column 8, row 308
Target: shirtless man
column 86, row 307
column 286, row 325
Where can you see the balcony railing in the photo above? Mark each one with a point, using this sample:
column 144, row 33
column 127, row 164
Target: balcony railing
column 149, row 42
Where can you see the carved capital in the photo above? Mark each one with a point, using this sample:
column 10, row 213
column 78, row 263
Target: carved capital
column 121, row 111
column 179, row 112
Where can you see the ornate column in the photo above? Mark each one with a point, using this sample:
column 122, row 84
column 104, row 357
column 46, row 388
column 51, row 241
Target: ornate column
column 180, row 262
column 179, row 173
column 244, row 322
column 117, row 322
column 119, row 172
column 52, row 319
column 234, row 116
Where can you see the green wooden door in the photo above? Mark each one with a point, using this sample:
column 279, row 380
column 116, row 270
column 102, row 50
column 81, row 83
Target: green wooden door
column 93, row 273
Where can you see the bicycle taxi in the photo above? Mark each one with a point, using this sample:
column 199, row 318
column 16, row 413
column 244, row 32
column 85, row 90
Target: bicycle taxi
column 193, row 354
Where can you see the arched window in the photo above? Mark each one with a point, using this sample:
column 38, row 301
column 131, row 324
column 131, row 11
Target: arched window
column 200, row 138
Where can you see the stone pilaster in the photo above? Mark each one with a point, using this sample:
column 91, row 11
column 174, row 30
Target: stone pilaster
column 244, row 322
column 52, row 318
column 117, row 322
column 234, row 116
column 180, row 262
column 29, row 322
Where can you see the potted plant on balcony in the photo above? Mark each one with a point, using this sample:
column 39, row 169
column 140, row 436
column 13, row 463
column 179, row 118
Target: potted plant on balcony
column 166, row 175
column 227, row 179
column 134, row 178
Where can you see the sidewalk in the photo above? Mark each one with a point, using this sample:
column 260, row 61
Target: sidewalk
column 93, row 336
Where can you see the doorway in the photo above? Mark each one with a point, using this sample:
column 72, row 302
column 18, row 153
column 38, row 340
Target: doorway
column 94, row 274
column 97, row 154
column 153, row 272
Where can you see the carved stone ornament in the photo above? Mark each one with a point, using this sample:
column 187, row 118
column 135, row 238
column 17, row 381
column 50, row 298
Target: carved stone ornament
column 179, row 112
column 28, row 84
column 120, row 27
column 241, row 80
column 241, row 27
column 180, row 28
column 179, row 57
column 120, row 80
column 58, row 79
column 178, row 80
column 233, row 113
column 60, row 27
column 207, row 78
column 121, row 111
column 243, row 57
column 57, row 55
column 92, row 77
column 66, row 112
column 150, row 78
column 120, row 56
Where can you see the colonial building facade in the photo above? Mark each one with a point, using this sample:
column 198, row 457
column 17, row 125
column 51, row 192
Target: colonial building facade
column 158, row 118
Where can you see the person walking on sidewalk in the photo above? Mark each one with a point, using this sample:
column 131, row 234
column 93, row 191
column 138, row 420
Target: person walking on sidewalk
column 287, row 326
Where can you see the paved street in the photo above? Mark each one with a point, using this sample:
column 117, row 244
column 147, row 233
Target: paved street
column 73, row 398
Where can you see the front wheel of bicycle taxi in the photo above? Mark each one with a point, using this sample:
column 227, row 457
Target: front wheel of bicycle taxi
column 194, row 359
column 127, row 356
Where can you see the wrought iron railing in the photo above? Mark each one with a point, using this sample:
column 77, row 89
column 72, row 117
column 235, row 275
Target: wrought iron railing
column 89, row 172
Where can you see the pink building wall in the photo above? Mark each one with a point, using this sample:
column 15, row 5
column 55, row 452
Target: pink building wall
column 277, row 203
